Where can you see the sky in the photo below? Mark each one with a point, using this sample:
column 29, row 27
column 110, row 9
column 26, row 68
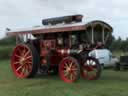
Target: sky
column 27, row 13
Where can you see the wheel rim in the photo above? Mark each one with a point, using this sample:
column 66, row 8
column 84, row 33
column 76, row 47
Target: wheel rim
column 69, row 70
column 89, row 69
column 22, row 61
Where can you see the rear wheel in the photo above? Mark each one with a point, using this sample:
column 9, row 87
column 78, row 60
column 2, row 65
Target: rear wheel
column 91, row 69
column 24, row 61
column 69, row 69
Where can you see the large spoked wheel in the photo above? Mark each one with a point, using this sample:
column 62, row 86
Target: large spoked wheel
column 24, row 61
column 91, row 69
column 69, row 70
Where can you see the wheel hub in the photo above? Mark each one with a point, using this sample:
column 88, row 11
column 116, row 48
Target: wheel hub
column 22, row 61
column 68, row 69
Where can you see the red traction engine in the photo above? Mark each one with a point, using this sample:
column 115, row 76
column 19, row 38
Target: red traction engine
column 61, row 46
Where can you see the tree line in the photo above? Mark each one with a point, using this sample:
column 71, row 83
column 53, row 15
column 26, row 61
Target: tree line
column 113, row 44
column 118, row 44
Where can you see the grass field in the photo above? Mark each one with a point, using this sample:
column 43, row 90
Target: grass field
column 111, row 83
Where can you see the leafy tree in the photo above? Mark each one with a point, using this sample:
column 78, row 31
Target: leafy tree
column 7, row 41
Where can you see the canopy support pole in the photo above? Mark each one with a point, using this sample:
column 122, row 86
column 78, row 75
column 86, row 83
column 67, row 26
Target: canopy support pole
column 92, row 34
column 17, row 39
column 103, row 34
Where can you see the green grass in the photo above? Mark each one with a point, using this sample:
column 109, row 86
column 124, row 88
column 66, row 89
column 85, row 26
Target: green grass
column 111, row 83
column 119, row 53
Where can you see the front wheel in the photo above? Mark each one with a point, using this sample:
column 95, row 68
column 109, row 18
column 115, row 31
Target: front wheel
column 69, row 70
column 91, row 69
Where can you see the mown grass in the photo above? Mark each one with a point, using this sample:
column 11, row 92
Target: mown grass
column 111, row 83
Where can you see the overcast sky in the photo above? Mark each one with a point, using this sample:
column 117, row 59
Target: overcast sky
column 26, row 13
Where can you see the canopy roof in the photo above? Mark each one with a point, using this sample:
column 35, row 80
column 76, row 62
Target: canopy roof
column 60, row 28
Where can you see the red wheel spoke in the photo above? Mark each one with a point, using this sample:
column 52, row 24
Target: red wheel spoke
column 70, row 64
column 74, row 74
column 22, row 72
column 28, row 62
column 29, row 57
column 66, row 73
column 23, row 53
column 17, row 62
column 26, row 70
column 24, row 50
column 71, row 76
column 68, row 76
column 28, row 67
column 66, row 65
column 20, row 67
column 26, row 53
column 75, row 69
column 18, row 56
column 19, row 50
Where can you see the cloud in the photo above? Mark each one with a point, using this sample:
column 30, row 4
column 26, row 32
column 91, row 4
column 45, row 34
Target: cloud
column 26, row 13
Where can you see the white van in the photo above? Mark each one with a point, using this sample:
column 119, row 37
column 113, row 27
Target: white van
column 105, row 57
